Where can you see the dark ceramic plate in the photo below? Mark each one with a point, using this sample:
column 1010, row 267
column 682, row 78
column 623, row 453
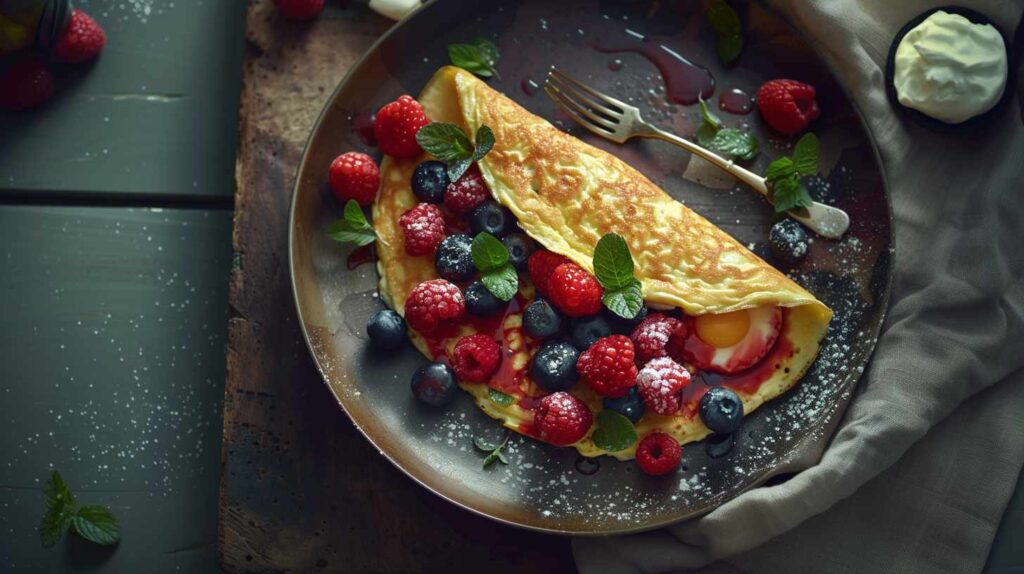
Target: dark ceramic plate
column 547, row 488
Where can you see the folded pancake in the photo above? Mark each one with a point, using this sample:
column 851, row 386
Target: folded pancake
column 566, row 195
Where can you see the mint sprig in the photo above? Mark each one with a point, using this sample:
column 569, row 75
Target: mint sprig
column 352, row 227
column 449, row 144
column 726, row 23
column 493, row 450
column 93, row 523
column 499, row 398
column 783, row 174
column 730, row 142
column 614, row 431
column 491, row 258
column 480, row 58
column 613, row 267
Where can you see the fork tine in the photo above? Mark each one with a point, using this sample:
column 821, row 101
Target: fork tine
column 604, row 98
column 589, row 101
column 565, row 100
column 561, row 102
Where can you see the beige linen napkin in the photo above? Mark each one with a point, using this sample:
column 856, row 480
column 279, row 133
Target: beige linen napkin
column 926, row 457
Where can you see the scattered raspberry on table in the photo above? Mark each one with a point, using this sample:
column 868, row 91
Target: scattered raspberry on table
column 787, row 105
column 81, row 41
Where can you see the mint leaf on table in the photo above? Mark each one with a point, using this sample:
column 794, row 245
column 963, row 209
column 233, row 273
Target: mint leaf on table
column 480, row 58
column 494, row 451
column 93, row 523
column 726, row 23
column 352, row 227
column 499, row 398
column 783, row 174
column 451, row 145
column 614, row 431
column 613, row 267
column 491, row 258
column 730, row 142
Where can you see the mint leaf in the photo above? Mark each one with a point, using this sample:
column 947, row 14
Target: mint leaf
column 499, row 398
column 484, row 142
column 502, row 282
column 488, row 252
column 353, row 227
column 479, row 58
column 494, row 450
column 710, row 119
column 614, row 431
column 706, row 133
column 806, row 153
column 726, row 24
column 625, row 302
column 483, row 445
column 734, row 143
column 458, row 167
column 780, row 168
column 96, row 524
column 446, row 142
column 787, row 193
column 613, row 265
column 60, row 509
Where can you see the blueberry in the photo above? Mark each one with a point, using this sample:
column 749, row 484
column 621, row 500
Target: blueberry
column 721, row 410
column 492, row 218
column 630, row 406
column 429, row 181
column 434, row 384
column 386, row 330
column 719, row 445
column 788, row 241
column 541, row 321
column 454, row 258
column 519, row 249
column 554, row 366
column 587, row 330
column 481, row 302
column 625, row 326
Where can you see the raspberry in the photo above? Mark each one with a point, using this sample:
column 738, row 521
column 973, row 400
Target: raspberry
column 26, row 85
column 464, row 195
column 432, row 303
column 651, row 336
column 475, row 358
column 787, row 105
column 299, row 9
column 81, row 41
column 658, row 453
column 540, row 266
column 661, row 383
column 608, row 366
column 396, row 126
column 561, row 419
column 423, row 228
column 354, row 175
column 574, row 291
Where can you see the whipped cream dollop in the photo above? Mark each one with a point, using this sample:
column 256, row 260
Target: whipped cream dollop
column 950, row 68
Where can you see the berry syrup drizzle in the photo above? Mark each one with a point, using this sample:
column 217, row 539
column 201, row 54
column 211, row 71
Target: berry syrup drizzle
column 685, row 81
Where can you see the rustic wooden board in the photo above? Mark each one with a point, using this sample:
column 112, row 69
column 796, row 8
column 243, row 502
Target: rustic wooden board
column 301, row 489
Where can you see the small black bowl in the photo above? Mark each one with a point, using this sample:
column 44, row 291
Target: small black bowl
column 926, row 120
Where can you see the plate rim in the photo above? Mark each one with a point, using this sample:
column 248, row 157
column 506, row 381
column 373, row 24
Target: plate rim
column 883, row 303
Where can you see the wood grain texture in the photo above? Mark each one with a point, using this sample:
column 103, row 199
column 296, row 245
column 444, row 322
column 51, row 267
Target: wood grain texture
column 301, row 489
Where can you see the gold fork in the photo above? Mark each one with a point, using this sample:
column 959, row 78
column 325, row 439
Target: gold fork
column 618, row 121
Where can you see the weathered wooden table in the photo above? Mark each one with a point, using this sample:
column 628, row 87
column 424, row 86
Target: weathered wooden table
column 115, row 230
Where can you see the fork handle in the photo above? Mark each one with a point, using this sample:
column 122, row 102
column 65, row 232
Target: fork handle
column 825, row 220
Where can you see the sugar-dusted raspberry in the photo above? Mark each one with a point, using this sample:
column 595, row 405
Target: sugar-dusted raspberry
column 466, row 194
column 432, row 303
column 651, row 336
column 561, row 419
column 540, row 266
column 661, row 383
column 658, row 453
column 608, row 366
column 475, row 358
column 787, row 105
column 396, row 126
column 574, row 291
column 423, row 228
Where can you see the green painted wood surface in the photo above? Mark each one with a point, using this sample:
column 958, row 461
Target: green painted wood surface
column 157, row 114
column 112, row 330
